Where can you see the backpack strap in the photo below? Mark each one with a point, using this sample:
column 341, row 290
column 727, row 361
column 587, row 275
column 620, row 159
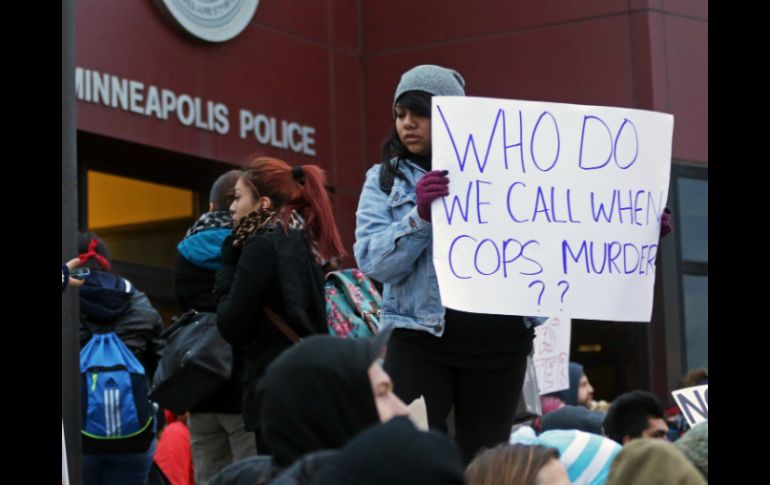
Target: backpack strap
column 179, row 322
column 281, row 325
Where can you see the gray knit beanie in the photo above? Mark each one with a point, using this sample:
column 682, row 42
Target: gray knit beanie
column 695, row 444
column 436, row 80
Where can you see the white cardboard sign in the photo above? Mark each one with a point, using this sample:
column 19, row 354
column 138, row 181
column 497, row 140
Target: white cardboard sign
column 552, row 340
column 694, row 403
column 553, row 209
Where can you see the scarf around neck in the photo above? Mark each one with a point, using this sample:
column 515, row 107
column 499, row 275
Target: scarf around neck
column 209, row 220
column 263, row 219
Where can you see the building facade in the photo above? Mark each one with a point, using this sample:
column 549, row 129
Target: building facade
column 161, row 113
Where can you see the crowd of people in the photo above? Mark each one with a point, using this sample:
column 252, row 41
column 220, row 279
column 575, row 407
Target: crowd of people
column 306, row 407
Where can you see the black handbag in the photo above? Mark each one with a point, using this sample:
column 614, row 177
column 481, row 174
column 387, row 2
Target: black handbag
column 194, row 363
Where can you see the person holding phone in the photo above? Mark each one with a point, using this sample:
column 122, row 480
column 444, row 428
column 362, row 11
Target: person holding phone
column 72, row 275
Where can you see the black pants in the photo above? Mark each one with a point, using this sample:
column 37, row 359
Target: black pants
column 484, row 399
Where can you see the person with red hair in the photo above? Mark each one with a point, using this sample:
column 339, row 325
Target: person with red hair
column 272, row 264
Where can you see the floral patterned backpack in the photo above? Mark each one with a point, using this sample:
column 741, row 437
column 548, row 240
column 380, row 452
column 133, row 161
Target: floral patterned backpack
column 352, row 304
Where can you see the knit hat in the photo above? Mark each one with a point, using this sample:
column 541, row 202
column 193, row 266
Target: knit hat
column 573, row 417
column 648, row 461
column 435, row 80
column 695, row 445
column 570, row 395
column 586, row 456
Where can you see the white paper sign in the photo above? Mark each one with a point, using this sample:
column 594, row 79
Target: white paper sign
column 552, row 340
column 694, row 403
column 418, row 413
column 554, row 209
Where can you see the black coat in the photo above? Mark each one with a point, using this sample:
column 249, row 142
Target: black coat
column 277, row 269
column 302, row 471
column 254, row 470
column 395, row 452
column 194, row 286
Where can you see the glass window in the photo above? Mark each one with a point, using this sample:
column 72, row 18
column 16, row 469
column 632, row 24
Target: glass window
column 693, row 218
column 696, row 318
column 692, row 202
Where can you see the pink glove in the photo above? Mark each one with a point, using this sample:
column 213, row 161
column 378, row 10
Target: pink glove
column 432, row 185
column 665, row 223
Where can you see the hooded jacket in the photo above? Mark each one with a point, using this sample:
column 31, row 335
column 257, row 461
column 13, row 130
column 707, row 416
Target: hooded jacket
column 198, row 257
column 315, row 396
column 111, row 303
column 395, row 452
column 313, row 399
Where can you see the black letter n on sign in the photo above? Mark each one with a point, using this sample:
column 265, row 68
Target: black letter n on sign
column 687, row 406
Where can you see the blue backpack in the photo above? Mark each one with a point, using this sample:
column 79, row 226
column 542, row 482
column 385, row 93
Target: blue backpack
column 115, row 407
column 352, row 304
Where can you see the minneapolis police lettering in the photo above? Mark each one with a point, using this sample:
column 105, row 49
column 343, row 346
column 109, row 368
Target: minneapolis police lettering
column 553, row 209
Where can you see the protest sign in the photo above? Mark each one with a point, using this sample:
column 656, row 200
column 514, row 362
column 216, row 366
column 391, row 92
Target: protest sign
column 553, row 210
column 694, row 403
column 552, row 340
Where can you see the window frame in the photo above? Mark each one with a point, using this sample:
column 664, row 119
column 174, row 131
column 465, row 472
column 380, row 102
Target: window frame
column 682, row 170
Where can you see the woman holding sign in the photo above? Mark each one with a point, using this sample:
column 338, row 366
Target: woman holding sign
column 472, row 362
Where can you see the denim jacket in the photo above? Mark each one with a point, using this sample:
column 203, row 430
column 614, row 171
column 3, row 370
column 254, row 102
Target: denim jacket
column 394, row 245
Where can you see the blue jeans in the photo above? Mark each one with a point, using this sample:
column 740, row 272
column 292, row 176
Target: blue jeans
column 118, row 469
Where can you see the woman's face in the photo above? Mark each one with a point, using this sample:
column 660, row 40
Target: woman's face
column 244, row 201
column 413, row 130
column 388, row 404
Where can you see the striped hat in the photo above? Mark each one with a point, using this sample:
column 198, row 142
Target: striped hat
column 586, row 456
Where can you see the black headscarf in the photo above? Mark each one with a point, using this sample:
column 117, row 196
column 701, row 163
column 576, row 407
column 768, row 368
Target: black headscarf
column 317, row 395
column 395, row 452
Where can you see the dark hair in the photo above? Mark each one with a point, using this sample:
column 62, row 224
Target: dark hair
column 93, row 252
column 629, row 414
column 509, row 465
column 301, row 190
column 695, row 377
column 223, row 190
column 419, row 102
